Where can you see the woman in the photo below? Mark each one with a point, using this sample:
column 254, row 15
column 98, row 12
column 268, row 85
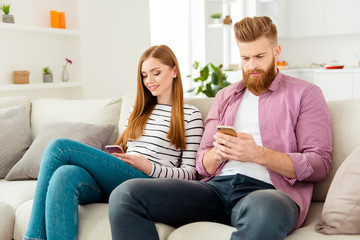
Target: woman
column 160, row 140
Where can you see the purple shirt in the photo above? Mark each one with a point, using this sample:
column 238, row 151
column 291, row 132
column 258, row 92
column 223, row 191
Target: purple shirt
column 294, row 119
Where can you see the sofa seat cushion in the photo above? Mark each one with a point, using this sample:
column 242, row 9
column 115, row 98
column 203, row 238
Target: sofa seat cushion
column 93, row 222
column 216, row 231
column 202, row 230
column 7, row 220
column 15, row 193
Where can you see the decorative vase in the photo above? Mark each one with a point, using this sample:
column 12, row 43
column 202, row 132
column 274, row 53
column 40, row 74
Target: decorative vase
column 7, row 18
column 65, row 74
column 47, row 78
column 227, row 20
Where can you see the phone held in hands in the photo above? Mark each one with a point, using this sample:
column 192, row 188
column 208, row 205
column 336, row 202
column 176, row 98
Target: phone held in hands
column 227, row 130
column 114, row 149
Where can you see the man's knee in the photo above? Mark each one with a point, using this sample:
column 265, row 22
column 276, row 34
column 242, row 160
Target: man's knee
column 268, row 212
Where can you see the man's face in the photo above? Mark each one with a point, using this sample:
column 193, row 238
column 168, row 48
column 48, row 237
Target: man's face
column 258, row 63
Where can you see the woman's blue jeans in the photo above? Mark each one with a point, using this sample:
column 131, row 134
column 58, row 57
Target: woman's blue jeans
column 254, row 208
column 72, row 173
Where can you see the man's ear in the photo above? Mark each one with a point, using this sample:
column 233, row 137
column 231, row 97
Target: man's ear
column 277, row 51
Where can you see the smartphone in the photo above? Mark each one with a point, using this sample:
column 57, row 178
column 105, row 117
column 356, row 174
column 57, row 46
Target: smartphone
column 114, row 149
column 227, row 130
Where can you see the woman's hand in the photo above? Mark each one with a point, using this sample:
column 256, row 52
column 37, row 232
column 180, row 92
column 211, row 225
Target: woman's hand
column 137, row 161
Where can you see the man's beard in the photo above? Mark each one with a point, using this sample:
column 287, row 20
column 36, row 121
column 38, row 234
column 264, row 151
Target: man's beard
column 260, row 83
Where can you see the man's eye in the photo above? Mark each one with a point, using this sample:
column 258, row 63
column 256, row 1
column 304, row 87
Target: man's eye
column 156, row 73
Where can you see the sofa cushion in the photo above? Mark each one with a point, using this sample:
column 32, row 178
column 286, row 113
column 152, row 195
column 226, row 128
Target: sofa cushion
column 345, row 119
column 341, row 212
column 15, row 136
column 202, row 230
column 15, row 193
column 6, row 102
column 93, row 222
column 7, row 220
column 94, row 135
column 93, row 111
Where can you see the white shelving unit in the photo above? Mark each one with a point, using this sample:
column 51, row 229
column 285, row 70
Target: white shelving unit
column 38, row 86
column 34, row 29
column 31, row 44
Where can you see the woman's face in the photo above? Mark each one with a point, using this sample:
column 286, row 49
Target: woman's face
column 158, row 79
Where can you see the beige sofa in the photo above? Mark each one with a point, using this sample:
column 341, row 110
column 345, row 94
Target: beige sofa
column 16, row 196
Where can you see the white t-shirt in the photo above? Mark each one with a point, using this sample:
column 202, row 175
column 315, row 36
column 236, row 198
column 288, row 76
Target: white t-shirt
column 247, row 121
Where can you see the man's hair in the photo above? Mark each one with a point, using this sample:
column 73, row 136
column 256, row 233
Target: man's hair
column 251, row 29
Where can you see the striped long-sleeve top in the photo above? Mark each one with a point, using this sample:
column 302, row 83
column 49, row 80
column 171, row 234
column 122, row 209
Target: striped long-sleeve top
column 167, row 161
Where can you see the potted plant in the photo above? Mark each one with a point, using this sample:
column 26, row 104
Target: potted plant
column 6, row 18
column 209, row 86
column 216, row 17
column 47, row 75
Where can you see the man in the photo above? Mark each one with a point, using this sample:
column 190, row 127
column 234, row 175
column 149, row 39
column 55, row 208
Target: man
column 261, row 181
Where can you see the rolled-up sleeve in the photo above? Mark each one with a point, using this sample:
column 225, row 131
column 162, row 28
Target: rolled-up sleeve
column 314, row 139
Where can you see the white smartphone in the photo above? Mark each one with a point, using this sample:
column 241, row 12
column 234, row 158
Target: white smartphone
column 227, row 130
column 114, row 149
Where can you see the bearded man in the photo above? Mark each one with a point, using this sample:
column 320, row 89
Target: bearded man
column 261, row 181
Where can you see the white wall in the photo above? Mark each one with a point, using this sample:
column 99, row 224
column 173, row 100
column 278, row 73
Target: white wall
column 114, row 34
column 301, row 52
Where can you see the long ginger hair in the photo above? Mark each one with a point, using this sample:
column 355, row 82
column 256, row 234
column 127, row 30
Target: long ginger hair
column 145, row 102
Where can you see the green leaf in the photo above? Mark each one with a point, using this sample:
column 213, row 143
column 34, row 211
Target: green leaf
column 204, row 73
column 213, row 67
column 196, row 65
column 209, row 91
column 215, row 78
column 191, row 90
column 199, row 90
column 197, row 79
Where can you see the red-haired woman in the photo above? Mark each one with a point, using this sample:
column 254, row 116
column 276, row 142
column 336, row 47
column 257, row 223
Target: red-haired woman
column 160, row 141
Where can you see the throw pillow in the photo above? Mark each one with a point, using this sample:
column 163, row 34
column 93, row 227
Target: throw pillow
column 15, row 136
column 341, row 210
column 90, row 134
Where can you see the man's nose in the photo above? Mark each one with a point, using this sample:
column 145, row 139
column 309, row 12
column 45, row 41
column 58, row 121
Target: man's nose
column 252, row 64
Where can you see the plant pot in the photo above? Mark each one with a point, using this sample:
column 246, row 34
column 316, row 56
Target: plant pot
column 7, row 18
column 216, row 20
column 47, row 78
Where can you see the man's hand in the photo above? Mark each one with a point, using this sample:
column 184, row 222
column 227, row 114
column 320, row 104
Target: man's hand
column 136, row 161
column 244, row 149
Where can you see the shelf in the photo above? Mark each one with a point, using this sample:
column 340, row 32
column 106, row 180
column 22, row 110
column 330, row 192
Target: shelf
column 223, row 1
column 35, row 86
column 220, row 25
column 27, row 28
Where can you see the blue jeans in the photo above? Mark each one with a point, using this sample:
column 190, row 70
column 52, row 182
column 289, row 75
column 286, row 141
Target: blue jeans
column 253, row 207
column 72, row 173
